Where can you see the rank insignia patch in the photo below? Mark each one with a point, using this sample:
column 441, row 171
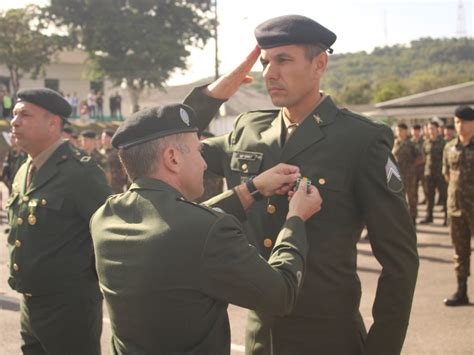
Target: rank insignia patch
column 184, row 116
column 394, row 179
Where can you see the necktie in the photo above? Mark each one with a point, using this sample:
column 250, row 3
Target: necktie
column 31, row 174
column 289, row 131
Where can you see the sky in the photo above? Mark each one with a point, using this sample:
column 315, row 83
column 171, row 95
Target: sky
column 358, row 24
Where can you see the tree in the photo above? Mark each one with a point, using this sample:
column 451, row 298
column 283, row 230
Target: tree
column 24, row 48
column 136, row 42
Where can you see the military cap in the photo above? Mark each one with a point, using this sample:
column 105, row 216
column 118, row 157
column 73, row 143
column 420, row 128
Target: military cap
column 293, row 29
column 67, row 129
column 464, row 113
column 153, row 123
column 48, row 99
column 206, row 134
column 449, row 126
column 402, row 125
column 89, row 133
column 109, row 132
column 416, row 126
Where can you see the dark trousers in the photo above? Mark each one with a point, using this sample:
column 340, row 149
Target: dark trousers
column 304, row 335
column 53, row 325
column 433, row 183
column 461, row 230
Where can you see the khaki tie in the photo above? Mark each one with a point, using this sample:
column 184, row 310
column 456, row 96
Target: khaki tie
column 31, row 174
column 289, row 130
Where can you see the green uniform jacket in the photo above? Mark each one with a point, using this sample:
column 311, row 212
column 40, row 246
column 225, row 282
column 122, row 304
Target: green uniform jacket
column 348, row 158
column 49, row 241
column 168, row 269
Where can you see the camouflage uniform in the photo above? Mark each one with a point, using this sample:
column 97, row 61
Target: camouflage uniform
column 459, row 166
column 434, row 178
column 420, row 168
column 407, row 154
column 12, row 163
column 114, row 171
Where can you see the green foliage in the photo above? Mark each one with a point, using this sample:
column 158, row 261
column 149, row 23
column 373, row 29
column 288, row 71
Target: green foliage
column 140, row 42
column 391, row 72
column 24, row 48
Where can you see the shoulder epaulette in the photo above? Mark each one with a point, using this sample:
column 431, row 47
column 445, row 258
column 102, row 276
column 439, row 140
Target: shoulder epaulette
column 214, row 212
column 360, row 117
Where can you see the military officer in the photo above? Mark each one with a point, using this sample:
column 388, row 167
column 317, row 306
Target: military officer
column 407, row 155
column 167, row 266
column 113, row 168
column 433, row 151
column 458, row 169
column 88, row 142
column 349, row 159
column 53, row 197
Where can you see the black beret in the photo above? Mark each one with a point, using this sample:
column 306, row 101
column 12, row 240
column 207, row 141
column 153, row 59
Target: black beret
column 109, row 132
column 153, row 123
column 449, row 126
column 293, row 29
column 416, row 126
column 464, row 113
column 89, row 133
column 48, row 99
column 67, row 129
column 402, row 125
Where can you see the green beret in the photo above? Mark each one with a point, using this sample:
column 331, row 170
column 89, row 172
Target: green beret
column 109, row 132
column 402, row 125
column 464, row 113
column 88, row 133
column 293, row 29
column 153, row 123
column 48, row 99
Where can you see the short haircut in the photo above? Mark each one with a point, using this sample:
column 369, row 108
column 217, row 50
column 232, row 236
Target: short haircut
column 311, row 51
column 141, row 160
column 434, row 123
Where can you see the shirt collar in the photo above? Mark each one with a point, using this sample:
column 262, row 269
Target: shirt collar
column 286, row 120
column 42, row 157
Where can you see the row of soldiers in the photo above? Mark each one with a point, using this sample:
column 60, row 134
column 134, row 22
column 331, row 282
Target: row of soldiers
column 444, row 163
column 99, row 148
column 420, row 158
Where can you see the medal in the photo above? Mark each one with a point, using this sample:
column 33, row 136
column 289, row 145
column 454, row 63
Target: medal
column 32, row 219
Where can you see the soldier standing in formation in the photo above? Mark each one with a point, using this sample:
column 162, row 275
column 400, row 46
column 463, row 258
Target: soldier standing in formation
column 114, row 171
column 349, row 159
column 449, row 133
column 407, row 155
column 14, row 159
column 54, row 195
column 88, row 143
column 458, row 169
column 169, row 267
column 418, row 140
column 433, row 151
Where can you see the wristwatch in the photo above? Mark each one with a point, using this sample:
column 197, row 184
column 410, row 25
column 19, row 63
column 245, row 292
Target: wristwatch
column 253, row 189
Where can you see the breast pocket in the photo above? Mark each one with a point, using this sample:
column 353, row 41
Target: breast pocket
column 335, row 200
column 10, row 202
column 245, row 164
column 46, row 210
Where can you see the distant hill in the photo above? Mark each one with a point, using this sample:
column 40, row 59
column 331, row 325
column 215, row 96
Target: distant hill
column 395, row 71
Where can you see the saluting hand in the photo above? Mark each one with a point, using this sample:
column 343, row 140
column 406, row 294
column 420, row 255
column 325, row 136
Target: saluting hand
column 228, row 84
column 277, row 180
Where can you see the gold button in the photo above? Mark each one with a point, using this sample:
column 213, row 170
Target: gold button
column 25, row 198
column 16, row 267
column 43, row 202
column 19, row 221
column 267, row 242
column 322, row 181
column 17, row 243
column 245, row 167
column 271, row 209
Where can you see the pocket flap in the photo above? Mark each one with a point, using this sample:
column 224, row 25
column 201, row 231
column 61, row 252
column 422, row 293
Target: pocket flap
column 246, row 162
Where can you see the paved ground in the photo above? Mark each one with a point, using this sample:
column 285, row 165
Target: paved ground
column 434, row 329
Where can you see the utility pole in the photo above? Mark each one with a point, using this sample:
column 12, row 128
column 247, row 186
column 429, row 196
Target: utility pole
column 216, row 41
column 461, row 22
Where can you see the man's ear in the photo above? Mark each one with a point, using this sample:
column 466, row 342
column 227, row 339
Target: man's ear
column 171, row 159
column 320, row 63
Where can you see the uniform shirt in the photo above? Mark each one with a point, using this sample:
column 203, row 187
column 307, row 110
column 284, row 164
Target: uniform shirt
column 168, row 269
column 348, row 158
column 458, row 163
column 433, row 151
column 406, row 153
column 49, row 242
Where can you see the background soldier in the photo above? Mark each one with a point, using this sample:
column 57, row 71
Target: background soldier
column 407, row 155
column 458, row 170
column 88, row 143
column 14, row 159
column 182, row 263
column 433, row 151
column 449, row 132
column 418, row 139
column 114, row 171
column 54, row 194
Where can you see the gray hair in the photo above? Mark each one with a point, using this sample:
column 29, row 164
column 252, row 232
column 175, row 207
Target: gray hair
column 142, row 160
column 311, row 51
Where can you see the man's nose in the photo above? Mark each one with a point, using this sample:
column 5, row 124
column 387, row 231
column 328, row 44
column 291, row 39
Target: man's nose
column 270, row 72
